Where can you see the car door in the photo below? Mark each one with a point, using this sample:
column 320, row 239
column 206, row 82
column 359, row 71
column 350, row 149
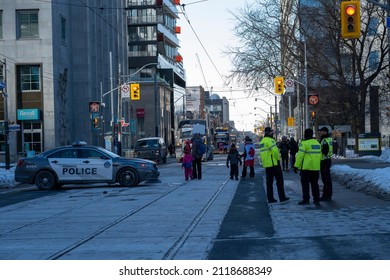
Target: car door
column 65, row 164
column 95, row 165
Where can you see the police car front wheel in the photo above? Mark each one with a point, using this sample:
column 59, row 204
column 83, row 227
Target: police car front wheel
column 127, row 177
column 45, row 180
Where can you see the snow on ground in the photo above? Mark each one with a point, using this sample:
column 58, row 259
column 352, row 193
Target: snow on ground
column 7, row 177
column 372, row 181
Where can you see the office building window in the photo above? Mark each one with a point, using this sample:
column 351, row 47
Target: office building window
column 373, row 60
column 30, row 78
column 63, row 29
column 142, row 50
column 27, row 23
column 373, row 26
column 1, row 72
column 1, row 24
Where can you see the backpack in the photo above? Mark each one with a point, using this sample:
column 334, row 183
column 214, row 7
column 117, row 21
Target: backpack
column 201, row 149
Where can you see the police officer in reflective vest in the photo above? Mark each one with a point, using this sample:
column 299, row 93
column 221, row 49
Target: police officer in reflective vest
column 308, row 161
column 326, row 162
column 270, row 159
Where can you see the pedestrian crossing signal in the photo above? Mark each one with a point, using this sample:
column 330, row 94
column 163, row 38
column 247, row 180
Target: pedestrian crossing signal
column 135, row 92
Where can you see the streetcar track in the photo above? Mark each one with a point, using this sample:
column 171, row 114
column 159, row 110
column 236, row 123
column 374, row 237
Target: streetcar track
column 174, row 249
column 170, row 253
column 67, row 250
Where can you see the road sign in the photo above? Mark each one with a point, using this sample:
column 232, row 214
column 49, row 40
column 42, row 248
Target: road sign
column 313, row 99
column 289, row 85
column 14, row 127
column 125, row 90
column 290, row 121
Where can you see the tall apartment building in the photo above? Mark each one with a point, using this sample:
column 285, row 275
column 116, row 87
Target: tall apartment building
column 56, row 57
column 156, row 64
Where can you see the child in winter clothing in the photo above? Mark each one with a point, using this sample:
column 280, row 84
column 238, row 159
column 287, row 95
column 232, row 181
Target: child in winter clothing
column 187, row 165
column 234, row 159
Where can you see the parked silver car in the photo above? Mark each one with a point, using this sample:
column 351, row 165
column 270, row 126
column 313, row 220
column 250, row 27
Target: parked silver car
column 83, row 164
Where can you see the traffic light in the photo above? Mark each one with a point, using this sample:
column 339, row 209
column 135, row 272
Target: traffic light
column 135, row 93
column 279, row 84
column 313, row 114
column 350, row 19
column 95, row 122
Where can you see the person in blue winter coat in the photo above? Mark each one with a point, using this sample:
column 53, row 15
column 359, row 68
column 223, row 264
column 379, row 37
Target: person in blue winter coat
column 233, row 159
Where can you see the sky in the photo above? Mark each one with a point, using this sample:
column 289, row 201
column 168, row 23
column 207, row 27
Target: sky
column 202, row 45
column 379, row 178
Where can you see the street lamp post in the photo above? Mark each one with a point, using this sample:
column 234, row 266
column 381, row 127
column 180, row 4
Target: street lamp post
column 3, row 88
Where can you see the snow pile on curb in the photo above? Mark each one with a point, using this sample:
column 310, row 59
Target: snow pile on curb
column 7, row 179
column 373, row 182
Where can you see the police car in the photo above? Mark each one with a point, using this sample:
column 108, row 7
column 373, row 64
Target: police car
column 83, row 164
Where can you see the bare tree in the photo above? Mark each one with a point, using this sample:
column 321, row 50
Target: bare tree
column 342, row 71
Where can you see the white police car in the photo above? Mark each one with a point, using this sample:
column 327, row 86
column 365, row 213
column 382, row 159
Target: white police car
column 83, row 164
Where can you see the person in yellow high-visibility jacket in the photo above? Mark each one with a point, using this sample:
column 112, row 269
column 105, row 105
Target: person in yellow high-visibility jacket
column 270, row 159
column 308, row 162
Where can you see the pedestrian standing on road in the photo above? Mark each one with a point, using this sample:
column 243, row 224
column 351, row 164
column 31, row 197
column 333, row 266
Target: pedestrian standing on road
column 335, row 146
column 249, row 158
column 187, row 164
column 293, row 151
column 270, row 159
column 308, row 162
column 171, row 150
column 197, row 157
column 233, row 159
column 284, row 147
column 326, row 162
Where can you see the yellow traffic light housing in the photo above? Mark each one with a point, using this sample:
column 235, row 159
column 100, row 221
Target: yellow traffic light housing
column 135, row 92
column 95, row 122
column 279, row 84
column 350, row 19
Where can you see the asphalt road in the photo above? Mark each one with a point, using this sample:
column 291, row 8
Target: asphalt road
column 210, row 219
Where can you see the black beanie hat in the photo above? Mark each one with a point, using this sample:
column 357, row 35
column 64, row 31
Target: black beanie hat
column 308, row 133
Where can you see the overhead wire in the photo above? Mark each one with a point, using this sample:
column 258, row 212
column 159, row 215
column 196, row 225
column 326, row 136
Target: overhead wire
column 200, row 41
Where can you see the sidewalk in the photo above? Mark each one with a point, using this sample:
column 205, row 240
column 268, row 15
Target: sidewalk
column 351, row 226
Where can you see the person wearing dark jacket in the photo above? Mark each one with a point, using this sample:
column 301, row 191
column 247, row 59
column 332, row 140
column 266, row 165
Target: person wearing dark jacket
column 233, row 159
column 284, row 147
column 326, row 162
column 197, row 162
column 293, row 150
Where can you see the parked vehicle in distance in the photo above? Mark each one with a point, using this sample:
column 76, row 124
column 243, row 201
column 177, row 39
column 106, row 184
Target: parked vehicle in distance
column 152, row 148
column 80, row 163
